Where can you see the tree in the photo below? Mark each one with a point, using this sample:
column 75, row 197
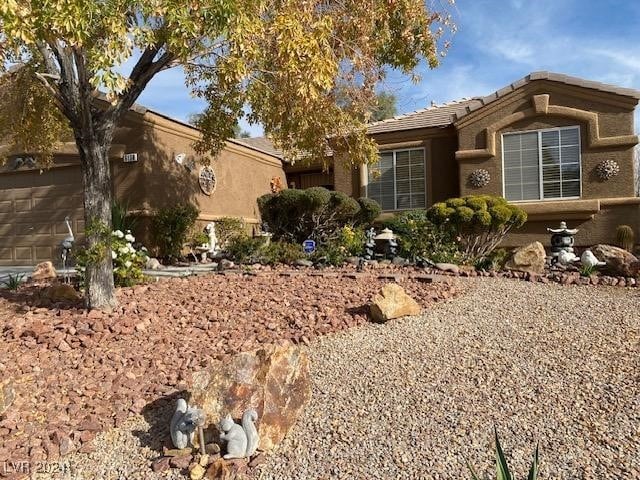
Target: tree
column 385, row 107
column 194, row 118
column 288, row 60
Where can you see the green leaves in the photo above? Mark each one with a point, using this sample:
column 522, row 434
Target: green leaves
column 502, row 468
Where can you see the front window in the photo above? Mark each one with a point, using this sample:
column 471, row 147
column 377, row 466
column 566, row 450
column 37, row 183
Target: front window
column 397, row 180
column 542, row 165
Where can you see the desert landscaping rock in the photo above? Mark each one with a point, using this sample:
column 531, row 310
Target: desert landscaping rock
column 7, row 394
column 618, row 260
column 274, row 380
column 44, row 271
column 530, row 258
column 416, row 397
column 393, row 302
column 68, row 364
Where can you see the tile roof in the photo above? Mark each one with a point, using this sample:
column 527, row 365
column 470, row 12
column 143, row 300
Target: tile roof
column 261, row 144
column 434, row 116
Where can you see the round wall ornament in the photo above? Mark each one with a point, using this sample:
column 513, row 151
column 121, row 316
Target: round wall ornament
column 607, row 169
column 207, row 180
column 479, row 178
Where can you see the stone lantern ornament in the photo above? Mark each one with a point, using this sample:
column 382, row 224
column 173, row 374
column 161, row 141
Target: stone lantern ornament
column 607, row 169
column 388, row 239
column 562, row 243
column 479, row 178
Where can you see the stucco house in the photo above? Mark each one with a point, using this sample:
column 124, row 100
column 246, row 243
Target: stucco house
column 559, row 146
column 153, row 165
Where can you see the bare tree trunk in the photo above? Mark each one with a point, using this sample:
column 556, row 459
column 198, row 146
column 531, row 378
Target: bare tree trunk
column 96, row 179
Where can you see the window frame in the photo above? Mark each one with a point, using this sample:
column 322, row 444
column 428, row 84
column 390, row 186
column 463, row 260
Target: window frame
column 540, row 164
column 394, row 151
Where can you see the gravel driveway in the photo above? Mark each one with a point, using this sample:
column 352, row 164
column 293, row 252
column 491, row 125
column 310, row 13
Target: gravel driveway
column 412, row 399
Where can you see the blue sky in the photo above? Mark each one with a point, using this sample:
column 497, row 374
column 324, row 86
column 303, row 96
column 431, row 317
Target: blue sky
column 498, row 42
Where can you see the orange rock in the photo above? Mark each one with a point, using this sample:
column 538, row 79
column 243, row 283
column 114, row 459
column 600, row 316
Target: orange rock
column 44, row 271
column 392, row 302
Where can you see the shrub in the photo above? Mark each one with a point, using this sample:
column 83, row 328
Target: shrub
column 493, row 261
column 587, row 270
column 244, row 249
column 478, row 222
column 128, row 261
column 228, row 227
column 502, row 468
column 316, row 213
column 418, row 238
column 369, row 210
column 625, row 237
column 171, row 227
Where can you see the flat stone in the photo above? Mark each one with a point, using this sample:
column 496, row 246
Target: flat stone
column 448, row 267
column 161, row 464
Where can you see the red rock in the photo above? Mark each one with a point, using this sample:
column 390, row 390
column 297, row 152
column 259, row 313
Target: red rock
column 181, row 462
column 161, row 464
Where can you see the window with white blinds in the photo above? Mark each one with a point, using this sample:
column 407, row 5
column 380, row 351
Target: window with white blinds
column 541, row 165
column 397, row 180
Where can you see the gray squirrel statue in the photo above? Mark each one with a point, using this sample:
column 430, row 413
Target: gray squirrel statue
column 242, row 440
column 184, row 423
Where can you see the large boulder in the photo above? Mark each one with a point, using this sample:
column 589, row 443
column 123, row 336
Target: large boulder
column 7, row 395
column 530, row 258
column 44, row 271
column 274, row 380
column 392, row 302
column 619, row 261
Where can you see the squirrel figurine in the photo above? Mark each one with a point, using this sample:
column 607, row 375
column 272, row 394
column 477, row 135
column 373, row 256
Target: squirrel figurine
column 242, row 441
column 184, row 422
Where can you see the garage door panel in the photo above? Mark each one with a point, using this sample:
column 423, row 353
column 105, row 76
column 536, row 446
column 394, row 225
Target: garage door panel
column 32, row 212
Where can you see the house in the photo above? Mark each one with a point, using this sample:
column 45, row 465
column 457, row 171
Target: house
column 153, row 164
column 560, row 147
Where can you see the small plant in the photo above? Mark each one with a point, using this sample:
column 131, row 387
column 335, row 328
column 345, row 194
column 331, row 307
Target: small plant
column 128, row 261
column 494, row 261
column 229, row 227
column 244, row 249
column 280, row 252
column 171, row 227
column 478, row 222
column 121, row 218
column 502, row 469
column 587, row 270
column 625, row 237
column 13, row 281
column 198, row 238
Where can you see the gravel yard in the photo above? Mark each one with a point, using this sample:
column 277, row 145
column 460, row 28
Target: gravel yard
column 413, row 398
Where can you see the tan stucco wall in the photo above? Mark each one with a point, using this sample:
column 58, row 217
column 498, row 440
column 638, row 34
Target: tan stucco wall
column 33, row 204
column 606, row 131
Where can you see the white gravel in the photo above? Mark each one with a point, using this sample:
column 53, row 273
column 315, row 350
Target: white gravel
column 412, row 399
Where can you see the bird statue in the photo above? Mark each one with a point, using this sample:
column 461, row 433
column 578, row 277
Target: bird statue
column 588, row 259
column 66, row 246
column 567, row 258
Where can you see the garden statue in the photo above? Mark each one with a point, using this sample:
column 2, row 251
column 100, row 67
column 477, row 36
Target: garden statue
column 213, row 239
column 567, row 258
column 242, row 440
column 184, row 423
column 370, row 244
column 561, row 240
column 66, row 246
column 391, row 246
column 589, row 260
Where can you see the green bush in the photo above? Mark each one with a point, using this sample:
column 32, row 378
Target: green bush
column 13, row 281
column 369, row 210
column 316, row 213
column 171, row 227
column 478, row 222
column 493, row 261
column 121, row 218
column 245, row 249
column 228, row 227
column 418, row 238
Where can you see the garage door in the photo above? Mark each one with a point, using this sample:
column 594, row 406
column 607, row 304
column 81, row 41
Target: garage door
column 33, row 206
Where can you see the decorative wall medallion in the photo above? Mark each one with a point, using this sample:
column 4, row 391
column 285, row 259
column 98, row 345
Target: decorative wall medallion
column 207, row 180
column 607, row 169
column 479, row 178
column 276, row 185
